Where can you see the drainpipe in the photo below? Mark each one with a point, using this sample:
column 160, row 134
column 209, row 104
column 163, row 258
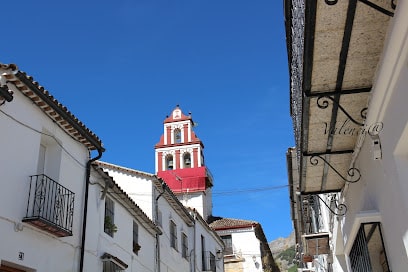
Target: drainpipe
column 84, row 219
column 74, row 122
column 194, row 248
column 156, row 211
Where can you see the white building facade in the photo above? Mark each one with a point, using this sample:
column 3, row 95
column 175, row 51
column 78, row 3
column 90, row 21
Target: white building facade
column 186, row 242
column 45, row 155
column 120, row 236
column 63, row 211
column 246, row 248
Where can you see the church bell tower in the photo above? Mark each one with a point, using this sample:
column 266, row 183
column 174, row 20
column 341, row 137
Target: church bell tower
column 180, row 163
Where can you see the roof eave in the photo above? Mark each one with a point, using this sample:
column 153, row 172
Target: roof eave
column 95, row 143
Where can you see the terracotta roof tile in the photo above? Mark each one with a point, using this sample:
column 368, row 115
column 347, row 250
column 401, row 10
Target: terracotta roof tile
column 50, row 106
column 226, row 223
column 142, row 215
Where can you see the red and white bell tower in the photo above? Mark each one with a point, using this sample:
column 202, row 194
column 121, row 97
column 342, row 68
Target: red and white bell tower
column 180, row 163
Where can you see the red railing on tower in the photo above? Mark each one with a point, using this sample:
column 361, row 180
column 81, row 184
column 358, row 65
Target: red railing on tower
column 187, row 179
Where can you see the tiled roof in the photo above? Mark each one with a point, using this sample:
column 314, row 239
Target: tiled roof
column 50, row 106
column 112, row 166
column 227, row 223
column 160, row 185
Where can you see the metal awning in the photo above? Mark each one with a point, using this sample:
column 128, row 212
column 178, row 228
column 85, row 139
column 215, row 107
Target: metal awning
column 334, row 48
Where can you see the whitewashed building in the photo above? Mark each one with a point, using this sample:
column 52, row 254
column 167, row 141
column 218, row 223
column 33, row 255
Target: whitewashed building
column 348, row 66
column 120, row 236
column 186, row 242
column 46, row 155
column 246, row 248
column 53, row 193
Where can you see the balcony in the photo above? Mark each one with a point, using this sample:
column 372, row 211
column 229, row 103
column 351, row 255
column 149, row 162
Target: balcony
column 50, row 206
column 311, row 215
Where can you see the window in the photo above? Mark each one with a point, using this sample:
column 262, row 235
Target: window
column 136, row 246
column 41, row 159
column 212, row 262
column 111, row 267
column 169, row 162
column 184, row 245
column 159, row 218
column 109, row 223
column 227, row 239
column 177, row 136
column 112, row 263
column 49, row 156
column 368, row 252
column 208, row 261
column 173, row 235
column 187, row 160
column 203, row 259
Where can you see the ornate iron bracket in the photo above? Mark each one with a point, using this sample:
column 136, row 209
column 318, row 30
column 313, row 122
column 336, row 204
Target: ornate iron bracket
column 393, row 5
column 331, row 2
column 340, row 209
column 353, row 172
column 371, row 4
column 380, row 9
column 323, row 103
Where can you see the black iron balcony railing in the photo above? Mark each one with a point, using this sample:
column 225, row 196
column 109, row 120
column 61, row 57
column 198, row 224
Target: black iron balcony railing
column 312, row 220
column 50, row 206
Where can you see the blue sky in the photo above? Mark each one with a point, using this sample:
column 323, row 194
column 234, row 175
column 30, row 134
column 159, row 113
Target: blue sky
column 122, row 66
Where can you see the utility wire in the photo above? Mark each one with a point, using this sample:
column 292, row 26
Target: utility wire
column 250, row 190
column 43, row 133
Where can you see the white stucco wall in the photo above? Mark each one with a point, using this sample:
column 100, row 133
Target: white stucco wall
column 245, row 246
column 381, row 194
column 138, row 187
column 170, row 258
column 19, row 158
column 201, row 201
column 144, row 193
column 211, row 244
column 120, row 245
column 248, row 245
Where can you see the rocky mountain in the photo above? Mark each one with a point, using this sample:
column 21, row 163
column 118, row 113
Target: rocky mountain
column 283, row 251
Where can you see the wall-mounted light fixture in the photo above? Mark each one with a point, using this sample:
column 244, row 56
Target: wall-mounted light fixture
column 5, row 93
column 376, row 144
column 219, row 254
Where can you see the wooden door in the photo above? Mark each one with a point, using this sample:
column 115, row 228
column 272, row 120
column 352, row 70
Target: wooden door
column 4, row 268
